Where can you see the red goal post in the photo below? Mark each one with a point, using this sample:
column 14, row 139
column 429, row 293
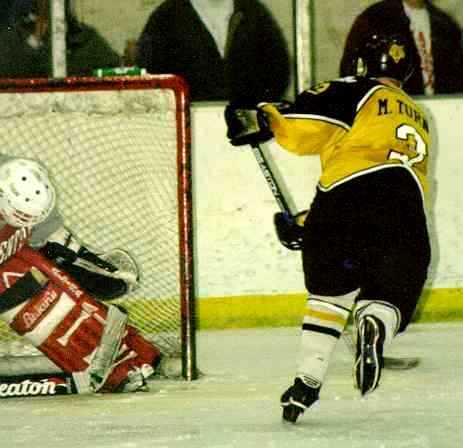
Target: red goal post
column 118, row 150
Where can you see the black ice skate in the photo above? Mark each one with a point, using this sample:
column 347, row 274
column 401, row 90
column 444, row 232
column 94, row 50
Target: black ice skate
column 369, row 359
column 297, row 399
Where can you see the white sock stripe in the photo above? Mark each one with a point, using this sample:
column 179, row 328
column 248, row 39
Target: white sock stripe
column 361, row 305
column 344, row 301
column 321, row 305
column 323, row 325
column 385, row 311
column 309, row 380
column 350, row 296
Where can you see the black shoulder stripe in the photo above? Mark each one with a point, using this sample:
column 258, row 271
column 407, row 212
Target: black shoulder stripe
column 367, row 96
column 336, row 101
column 24, row 289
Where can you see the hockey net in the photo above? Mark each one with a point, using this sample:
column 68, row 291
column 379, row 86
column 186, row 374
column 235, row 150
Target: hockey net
column 118, row 151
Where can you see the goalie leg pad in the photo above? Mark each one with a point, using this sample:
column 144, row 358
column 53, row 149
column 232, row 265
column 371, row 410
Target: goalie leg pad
column 67, row 324
column 136, row 361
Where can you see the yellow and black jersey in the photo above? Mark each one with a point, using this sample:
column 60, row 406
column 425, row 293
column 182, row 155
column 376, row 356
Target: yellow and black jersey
column 357, row 126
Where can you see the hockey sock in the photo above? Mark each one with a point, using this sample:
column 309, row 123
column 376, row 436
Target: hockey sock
column 387, row 313
column 324, row 321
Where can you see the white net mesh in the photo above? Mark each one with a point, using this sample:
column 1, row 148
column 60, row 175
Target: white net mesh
column 113, row 158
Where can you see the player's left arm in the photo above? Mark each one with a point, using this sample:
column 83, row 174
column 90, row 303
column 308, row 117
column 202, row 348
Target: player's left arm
column 304, row 127
column 298, row 133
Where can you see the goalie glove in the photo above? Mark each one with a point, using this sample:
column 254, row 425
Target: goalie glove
column 246, row 125
column 290, row 229
column 104, row 276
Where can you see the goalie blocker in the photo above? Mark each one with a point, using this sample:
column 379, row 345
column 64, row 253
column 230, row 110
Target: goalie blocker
column 47, row 307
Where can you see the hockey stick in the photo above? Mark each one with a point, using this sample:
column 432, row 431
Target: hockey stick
column 282, row 198
column 276, row 186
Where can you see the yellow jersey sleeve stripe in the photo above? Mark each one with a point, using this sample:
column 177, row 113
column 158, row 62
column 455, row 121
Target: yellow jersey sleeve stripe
column 333, row 121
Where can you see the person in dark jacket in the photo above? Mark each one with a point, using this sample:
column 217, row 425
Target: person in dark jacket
column 25, row 45
column 436, row 38
column 5, row 12
column 222, row 48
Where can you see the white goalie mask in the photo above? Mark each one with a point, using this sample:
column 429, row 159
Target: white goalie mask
column 26, row 194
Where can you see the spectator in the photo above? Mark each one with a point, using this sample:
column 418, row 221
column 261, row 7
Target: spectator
column 223, row 48
column 438, row 43
column 25, row 45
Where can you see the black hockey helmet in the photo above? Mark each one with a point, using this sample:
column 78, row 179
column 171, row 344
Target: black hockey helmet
column 381, row 55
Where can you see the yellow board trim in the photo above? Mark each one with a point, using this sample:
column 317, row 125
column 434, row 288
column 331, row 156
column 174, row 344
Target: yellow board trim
column 443, row 304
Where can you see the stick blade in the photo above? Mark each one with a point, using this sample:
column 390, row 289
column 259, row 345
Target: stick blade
column 392, row 363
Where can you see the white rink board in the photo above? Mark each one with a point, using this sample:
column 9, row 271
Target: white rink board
column 238, row 253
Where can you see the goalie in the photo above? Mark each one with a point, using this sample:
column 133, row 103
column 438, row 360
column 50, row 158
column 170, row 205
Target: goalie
column 48, row 285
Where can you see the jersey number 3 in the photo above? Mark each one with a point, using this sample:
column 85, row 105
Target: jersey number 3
column 415, row 142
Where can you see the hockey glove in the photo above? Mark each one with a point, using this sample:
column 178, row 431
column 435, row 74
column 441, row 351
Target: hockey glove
column 96, row 275
column 290, row 230
column 246, row 125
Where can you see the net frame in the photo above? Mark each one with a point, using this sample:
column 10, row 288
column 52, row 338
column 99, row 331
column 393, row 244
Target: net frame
column 184, row 179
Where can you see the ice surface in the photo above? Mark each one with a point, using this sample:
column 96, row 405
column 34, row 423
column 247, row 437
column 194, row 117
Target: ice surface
column 235, row 404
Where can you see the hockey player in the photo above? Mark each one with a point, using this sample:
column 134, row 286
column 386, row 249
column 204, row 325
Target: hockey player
column 365, row 245
column 40, row 301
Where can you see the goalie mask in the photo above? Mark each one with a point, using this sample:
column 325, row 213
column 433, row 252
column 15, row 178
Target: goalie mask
column 26, row 194
column 384, row 56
